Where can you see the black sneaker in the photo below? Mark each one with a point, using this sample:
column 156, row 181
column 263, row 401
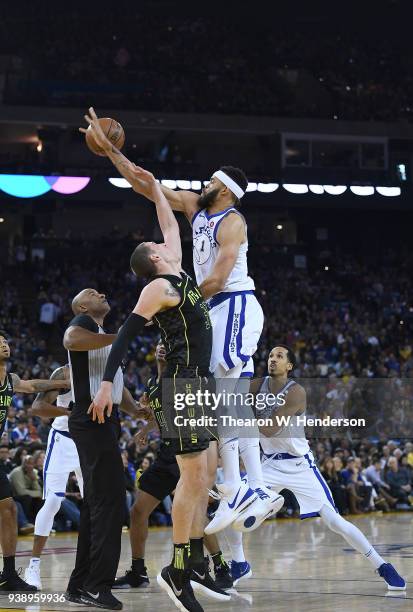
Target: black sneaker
column 15, row 583
column 74, row 597
column 101, row 600
column 132, row 580
column 223, row 578
column 183, row 598
column 203, row 583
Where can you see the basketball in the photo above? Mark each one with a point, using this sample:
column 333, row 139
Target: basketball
column 114, row 132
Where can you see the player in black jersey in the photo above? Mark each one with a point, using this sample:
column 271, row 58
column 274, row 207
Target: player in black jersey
column 156, row 483
column 173, row 301
column 10, row 384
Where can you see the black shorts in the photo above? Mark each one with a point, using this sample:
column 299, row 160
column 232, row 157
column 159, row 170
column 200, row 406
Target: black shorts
column 160, row 479
column 5, row 488
column 178, row 384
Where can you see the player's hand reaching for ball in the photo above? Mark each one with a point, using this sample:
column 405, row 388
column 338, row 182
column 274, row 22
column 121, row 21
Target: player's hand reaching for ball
column 149, row 186
column 95, row 127
column 102, row 400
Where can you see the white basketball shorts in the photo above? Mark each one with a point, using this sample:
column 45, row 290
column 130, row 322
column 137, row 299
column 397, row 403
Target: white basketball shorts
column 237, row 321
column 301, row 476
column 61, row 459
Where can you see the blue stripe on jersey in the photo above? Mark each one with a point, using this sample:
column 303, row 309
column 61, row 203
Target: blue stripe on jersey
column 218, row 298
column 195, row 215
column 46, row 465
column 244, row 358
column 322, row 482
column 228, row 333
column 247, row 374
column 309, row 515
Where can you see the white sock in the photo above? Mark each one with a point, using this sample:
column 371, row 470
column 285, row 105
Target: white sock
column 229, row 452
column 351, row 534
column 35, row 562
column 250, row 454
column 373, row 556
column 234, row 541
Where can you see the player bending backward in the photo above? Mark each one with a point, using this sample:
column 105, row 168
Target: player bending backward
column 288, row 463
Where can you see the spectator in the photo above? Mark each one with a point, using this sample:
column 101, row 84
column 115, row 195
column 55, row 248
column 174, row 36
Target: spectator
column 398, row 479
column 335, row 481
column 6, row 463
column 26, row 488
column 20, row 433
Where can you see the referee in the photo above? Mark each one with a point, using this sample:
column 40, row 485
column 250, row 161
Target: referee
column 99, row 541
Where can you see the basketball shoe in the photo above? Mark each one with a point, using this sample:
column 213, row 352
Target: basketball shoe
column 240, row 571
column 394, row 581
column 267, row 504
column 231, row 505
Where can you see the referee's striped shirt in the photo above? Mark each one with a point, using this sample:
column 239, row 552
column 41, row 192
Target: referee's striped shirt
column 87, row 368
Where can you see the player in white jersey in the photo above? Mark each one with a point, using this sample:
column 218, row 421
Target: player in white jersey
column 220, row 261
column 288, row 462
column 61, row 459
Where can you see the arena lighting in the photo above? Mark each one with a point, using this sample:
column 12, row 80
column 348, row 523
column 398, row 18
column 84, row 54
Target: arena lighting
column 279, row 227
column 317, row 189
column 362, row 190
column 335, row 189
column 267, row 187
column 169, row 183
column 120, row 182
column 183, row 184
column 295, row 188
column 1, row 219
column 32, row 186
column 390, row 192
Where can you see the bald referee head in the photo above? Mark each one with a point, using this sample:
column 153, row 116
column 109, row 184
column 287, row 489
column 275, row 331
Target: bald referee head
column 91, row 302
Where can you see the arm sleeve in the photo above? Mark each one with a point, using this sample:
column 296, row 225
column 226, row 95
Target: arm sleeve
column 130, row 329
column 85, row 321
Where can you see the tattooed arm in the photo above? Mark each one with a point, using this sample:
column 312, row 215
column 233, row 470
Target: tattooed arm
column 43, row 405
column 37, row 385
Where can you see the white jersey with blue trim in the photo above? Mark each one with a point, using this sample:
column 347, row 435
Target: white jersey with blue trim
column 206, row 249
column 61, row 423
column 291, row 438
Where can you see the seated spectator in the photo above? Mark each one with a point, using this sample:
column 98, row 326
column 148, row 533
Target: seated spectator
column 26, row 487
column 373, row 474
column 398, row 479
column 335, row 481
column 6, row 463
column 358, row 496
column 20, row 434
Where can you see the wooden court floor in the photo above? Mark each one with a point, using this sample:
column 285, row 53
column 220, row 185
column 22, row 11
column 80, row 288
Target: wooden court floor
column 297, row 567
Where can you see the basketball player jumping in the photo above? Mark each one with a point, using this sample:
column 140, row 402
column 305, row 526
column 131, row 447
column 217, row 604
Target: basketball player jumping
column 220, row 262
column 10, row 384
column 172, row 300
column 156, row 483
column 288, row 462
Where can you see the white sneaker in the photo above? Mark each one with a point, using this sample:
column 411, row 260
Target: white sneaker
column 231, row 505
column 266, row 505
column 32, row 576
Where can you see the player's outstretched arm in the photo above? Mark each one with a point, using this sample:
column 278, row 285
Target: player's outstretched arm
column 37, row 385
column 182, row 201
column 43, row 403
column 167, row 221
column 156, row 296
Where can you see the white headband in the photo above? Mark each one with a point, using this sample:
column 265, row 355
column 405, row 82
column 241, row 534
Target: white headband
column 230, row 183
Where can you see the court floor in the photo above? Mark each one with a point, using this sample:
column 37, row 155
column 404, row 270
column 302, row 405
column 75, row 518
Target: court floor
column 297, row 566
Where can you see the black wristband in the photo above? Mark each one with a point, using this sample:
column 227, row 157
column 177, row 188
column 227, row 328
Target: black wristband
column 130, row 329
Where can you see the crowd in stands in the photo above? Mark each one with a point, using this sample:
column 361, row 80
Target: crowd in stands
column 181, row 63
column 350, row 326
